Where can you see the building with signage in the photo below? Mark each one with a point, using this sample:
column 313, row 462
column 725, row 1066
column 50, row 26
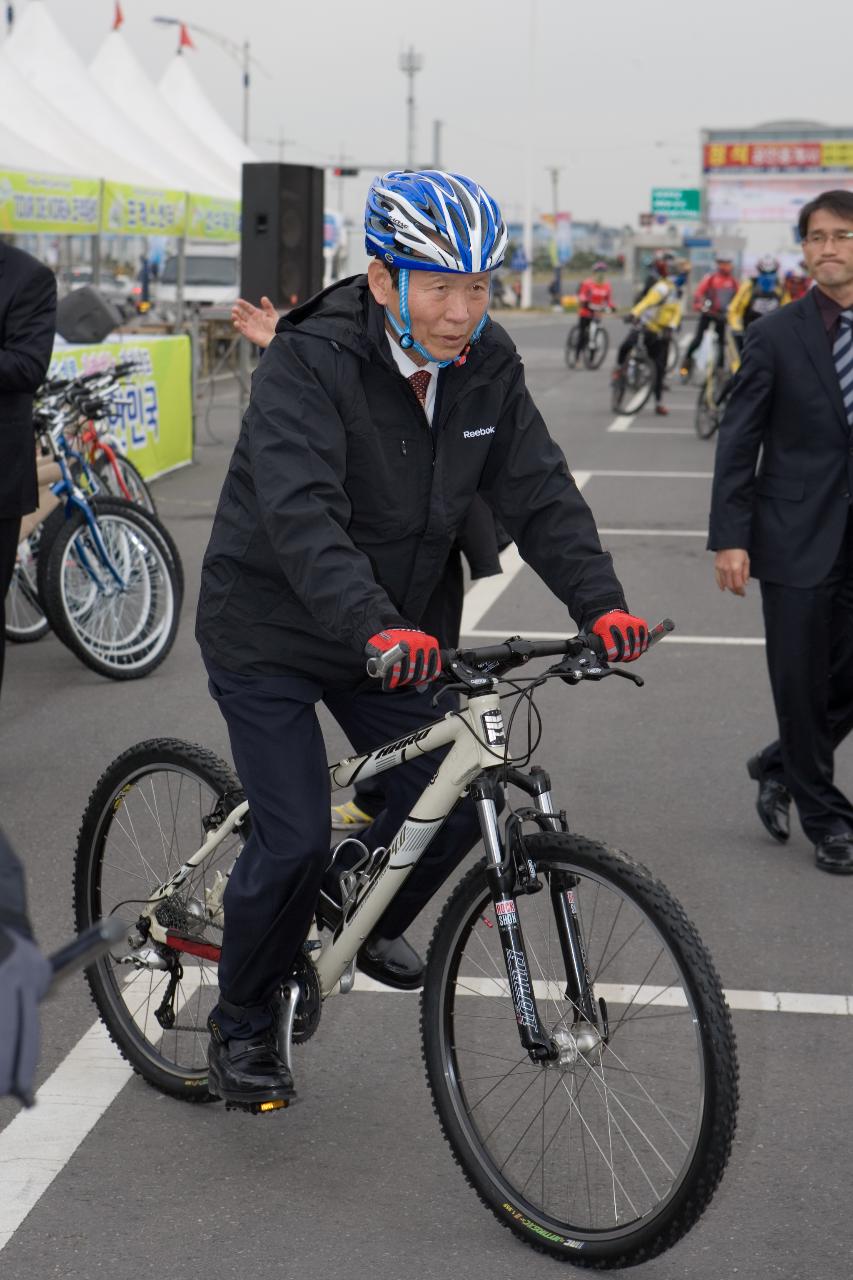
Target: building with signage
column 755, row 181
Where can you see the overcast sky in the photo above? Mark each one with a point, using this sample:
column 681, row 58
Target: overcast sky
column 620, row 91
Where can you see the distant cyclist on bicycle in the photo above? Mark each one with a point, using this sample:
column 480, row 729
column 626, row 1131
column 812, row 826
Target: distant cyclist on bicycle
column 797, row 281
column 759, row 295
column 712, row 299
column 380, row 408
column 595, row 297
column 658, row 312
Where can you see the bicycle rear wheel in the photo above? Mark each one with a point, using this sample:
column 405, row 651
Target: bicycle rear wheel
column 606, row 1158
column 25, row 620
column 152, row 808
column 119, row 617
column 708, row 411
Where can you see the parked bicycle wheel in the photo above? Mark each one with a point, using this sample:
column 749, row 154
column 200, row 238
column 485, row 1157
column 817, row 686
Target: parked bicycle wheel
column 153, row 806
column 25, row 620
column 157, row 526
column 119, row 615
column 632, row 384
column 573, row 338
column 597, row 347
column 137, row 490
column 611, row 1154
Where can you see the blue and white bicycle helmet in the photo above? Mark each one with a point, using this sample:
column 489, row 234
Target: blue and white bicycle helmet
column 430, row 220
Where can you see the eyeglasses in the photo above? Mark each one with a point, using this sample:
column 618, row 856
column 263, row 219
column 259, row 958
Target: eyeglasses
column 818, row 238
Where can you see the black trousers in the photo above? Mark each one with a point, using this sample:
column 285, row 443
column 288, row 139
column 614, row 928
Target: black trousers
column 9, row 530
column 810, row 660
column 705, row 322
column 281, row 760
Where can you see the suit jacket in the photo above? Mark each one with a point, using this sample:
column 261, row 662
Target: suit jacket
column 783, row 477
column 27, row 329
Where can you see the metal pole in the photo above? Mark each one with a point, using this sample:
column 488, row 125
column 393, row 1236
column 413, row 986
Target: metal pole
column 181, row 282
column 527, row 274
column 436, row 143
column 246, row 92
column 410, row 64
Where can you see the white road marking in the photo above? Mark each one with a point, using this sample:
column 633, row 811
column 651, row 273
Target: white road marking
column 653, row 475
column 673, row 638
column 657, row 533
column 481, row 595
column 659, row 431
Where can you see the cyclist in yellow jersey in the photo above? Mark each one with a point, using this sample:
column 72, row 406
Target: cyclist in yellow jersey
column 758, row 296
column 659, row 313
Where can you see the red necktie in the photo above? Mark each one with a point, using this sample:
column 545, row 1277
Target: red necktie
column 419, row 382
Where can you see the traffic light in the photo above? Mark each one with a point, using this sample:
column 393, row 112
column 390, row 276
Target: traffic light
column 345, row 173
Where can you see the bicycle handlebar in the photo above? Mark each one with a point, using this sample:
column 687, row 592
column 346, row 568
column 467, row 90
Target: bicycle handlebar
column 491, row 659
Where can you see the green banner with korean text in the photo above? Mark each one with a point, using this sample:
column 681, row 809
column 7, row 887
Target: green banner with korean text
column 142, row 211
column 213, row 218
column 677, row 202
column 39, row 203
column 152, row 409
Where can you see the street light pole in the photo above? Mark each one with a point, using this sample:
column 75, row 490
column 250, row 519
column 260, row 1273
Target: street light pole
column 239, row 52
column 436, row 143
column 410, row 64
column 527, row 274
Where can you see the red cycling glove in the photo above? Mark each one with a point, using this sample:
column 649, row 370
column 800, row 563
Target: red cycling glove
column 625, row 637
column 420, row 661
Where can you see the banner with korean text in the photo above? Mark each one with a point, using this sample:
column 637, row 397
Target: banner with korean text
column 128, row 210
column 152, row 409
column 39, row 203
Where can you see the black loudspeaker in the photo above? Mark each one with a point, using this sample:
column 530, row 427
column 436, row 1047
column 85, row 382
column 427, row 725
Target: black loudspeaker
column 84, row 315
column 281, row 247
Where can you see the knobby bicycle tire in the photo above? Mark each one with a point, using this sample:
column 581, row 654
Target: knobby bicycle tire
column 138, row 654
column 148, row 804
column 474, row 1062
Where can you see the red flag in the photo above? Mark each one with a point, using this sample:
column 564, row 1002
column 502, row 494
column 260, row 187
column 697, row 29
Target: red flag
column 119, row 17
column 185, row 42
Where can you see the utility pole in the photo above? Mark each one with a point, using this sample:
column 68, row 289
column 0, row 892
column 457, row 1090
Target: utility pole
column 246, row 60
column 410, row 64
column 529, row 117
column 554, row 171
column 436, row 143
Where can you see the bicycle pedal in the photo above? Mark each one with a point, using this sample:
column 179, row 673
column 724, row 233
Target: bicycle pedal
column 259, row 1108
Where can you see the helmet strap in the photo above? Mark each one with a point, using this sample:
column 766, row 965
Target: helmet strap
column 404, row 331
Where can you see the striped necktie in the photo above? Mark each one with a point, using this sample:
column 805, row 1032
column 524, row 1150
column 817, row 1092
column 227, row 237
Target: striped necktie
column 842, row 354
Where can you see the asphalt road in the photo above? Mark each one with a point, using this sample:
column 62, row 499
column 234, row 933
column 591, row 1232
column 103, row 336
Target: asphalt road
column 357, row 1181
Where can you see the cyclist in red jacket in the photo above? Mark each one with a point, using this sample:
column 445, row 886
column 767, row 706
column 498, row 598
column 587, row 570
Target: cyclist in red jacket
column 712, row 299
column 594, row 295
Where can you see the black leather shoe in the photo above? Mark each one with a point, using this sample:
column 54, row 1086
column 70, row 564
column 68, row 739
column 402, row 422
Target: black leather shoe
column 249, row 1073
column 835, row 853
column 392, row 961
column 774, row 801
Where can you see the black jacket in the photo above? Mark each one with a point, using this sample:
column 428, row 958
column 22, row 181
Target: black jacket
column 27, row 330
column 789, row 509
column 341, row 505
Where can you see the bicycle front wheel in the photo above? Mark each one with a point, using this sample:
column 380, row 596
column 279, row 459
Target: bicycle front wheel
column 128, row 475
column 597, row 348
column 608, row 1156
column 25, row 620
column 572, row 343
column 632, row 385
column 707, row 416
column 154, row 807
column 117, row 610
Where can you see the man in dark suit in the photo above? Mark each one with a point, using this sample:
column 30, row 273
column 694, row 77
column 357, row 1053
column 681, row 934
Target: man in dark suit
column 785, row 518
column 27, row 329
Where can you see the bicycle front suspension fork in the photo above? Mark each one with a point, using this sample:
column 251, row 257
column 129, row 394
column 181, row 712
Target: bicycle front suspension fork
column 503, row 876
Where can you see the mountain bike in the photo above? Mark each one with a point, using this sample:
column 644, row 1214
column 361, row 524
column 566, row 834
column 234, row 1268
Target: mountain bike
column 597, row 342
column 577, row 1044
column 631, row 382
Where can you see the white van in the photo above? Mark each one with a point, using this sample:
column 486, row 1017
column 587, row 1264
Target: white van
column 211, row 278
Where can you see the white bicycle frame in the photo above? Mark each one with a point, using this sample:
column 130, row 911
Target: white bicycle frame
column 477, row 741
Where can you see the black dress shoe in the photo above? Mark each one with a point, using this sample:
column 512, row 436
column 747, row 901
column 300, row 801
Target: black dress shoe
column 774, row 801
column 392, row 961
column 249, row 1073
column 835, row 853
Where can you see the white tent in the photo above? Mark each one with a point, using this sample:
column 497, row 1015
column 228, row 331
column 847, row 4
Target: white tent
column 46, row 131
column 55, row 71
column 17, row 153
column 120, row 76
column 188, row 101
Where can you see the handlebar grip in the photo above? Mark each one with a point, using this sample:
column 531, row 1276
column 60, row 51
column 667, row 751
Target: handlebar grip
column 379, row 667
column 657, row 632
